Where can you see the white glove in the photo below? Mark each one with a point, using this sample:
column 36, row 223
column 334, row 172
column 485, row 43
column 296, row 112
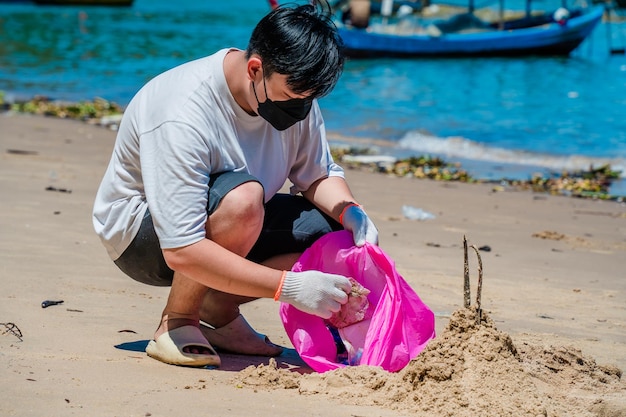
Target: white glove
column 315, row 292
column 363, row 229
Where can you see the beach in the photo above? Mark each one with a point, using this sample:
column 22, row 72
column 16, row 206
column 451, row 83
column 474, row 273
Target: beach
column 553, row 280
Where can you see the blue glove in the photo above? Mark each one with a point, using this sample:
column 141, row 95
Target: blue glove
column 354, row 219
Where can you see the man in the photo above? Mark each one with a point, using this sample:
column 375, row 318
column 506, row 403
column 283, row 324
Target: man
column 189, row 199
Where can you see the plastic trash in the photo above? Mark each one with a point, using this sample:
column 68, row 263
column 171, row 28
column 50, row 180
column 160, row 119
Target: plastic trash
column 48, row 303
column 414, row 213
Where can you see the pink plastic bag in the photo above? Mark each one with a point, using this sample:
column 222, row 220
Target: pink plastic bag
column 401, row 324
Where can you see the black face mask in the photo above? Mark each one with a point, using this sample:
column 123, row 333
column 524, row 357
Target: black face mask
column 282, row 114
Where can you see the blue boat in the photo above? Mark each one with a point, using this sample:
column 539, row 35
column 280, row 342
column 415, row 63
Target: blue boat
column 557, row 34
column 117, row 3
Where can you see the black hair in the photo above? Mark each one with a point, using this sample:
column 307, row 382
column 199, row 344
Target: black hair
column 301, row 42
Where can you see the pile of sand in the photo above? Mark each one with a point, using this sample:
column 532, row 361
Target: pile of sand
column 469, row 369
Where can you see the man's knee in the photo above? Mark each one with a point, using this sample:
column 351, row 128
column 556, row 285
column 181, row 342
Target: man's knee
column 243, row 207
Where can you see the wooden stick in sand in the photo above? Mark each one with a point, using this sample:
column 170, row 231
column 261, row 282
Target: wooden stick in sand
column 466, row 281
column 480, row 286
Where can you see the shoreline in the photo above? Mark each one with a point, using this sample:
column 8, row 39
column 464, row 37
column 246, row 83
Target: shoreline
column 582, row 183
column 484, row 170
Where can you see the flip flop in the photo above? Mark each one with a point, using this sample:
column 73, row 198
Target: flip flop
column 240, row 338
column 168, row 348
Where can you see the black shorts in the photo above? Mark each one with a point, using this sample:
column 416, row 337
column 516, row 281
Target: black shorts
column 291, row 225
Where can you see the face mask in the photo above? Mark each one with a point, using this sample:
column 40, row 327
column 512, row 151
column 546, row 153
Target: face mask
column 282, row 114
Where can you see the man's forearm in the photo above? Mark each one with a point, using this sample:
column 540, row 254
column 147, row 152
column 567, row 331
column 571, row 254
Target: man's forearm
column 216, row 267
column 331, row 195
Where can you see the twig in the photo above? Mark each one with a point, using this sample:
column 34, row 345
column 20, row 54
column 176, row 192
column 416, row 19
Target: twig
column 13, row 329
column 466, row 281
column 480, row 286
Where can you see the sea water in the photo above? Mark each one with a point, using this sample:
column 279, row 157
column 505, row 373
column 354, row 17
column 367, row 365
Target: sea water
column 500, row 117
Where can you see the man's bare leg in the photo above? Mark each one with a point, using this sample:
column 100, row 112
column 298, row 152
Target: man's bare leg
column 235, row 225
column 182, row 308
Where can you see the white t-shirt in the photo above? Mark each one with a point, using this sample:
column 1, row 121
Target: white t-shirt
column 183, row 126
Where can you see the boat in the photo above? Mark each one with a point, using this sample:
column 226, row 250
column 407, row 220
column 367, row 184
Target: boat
column 84, row 2
column 555, row 33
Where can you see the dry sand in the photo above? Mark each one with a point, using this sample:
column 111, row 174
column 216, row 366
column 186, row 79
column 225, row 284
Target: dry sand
column 553, row 343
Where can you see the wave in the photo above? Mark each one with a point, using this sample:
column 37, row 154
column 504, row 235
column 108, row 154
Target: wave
column 462, row 148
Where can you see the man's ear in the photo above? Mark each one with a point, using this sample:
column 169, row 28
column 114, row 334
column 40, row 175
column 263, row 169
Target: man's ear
column 254, row 67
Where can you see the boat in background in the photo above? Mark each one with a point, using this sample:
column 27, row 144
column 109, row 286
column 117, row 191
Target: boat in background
column 555, row 33
column 125, row 3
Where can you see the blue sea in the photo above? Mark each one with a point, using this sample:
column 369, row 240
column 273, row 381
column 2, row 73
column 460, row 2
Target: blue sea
column 499, row 117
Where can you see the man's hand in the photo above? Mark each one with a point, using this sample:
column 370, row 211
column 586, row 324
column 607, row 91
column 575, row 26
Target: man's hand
column 315, row 292
column 355, row 219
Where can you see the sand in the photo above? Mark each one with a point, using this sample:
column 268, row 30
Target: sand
column 553, row 339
